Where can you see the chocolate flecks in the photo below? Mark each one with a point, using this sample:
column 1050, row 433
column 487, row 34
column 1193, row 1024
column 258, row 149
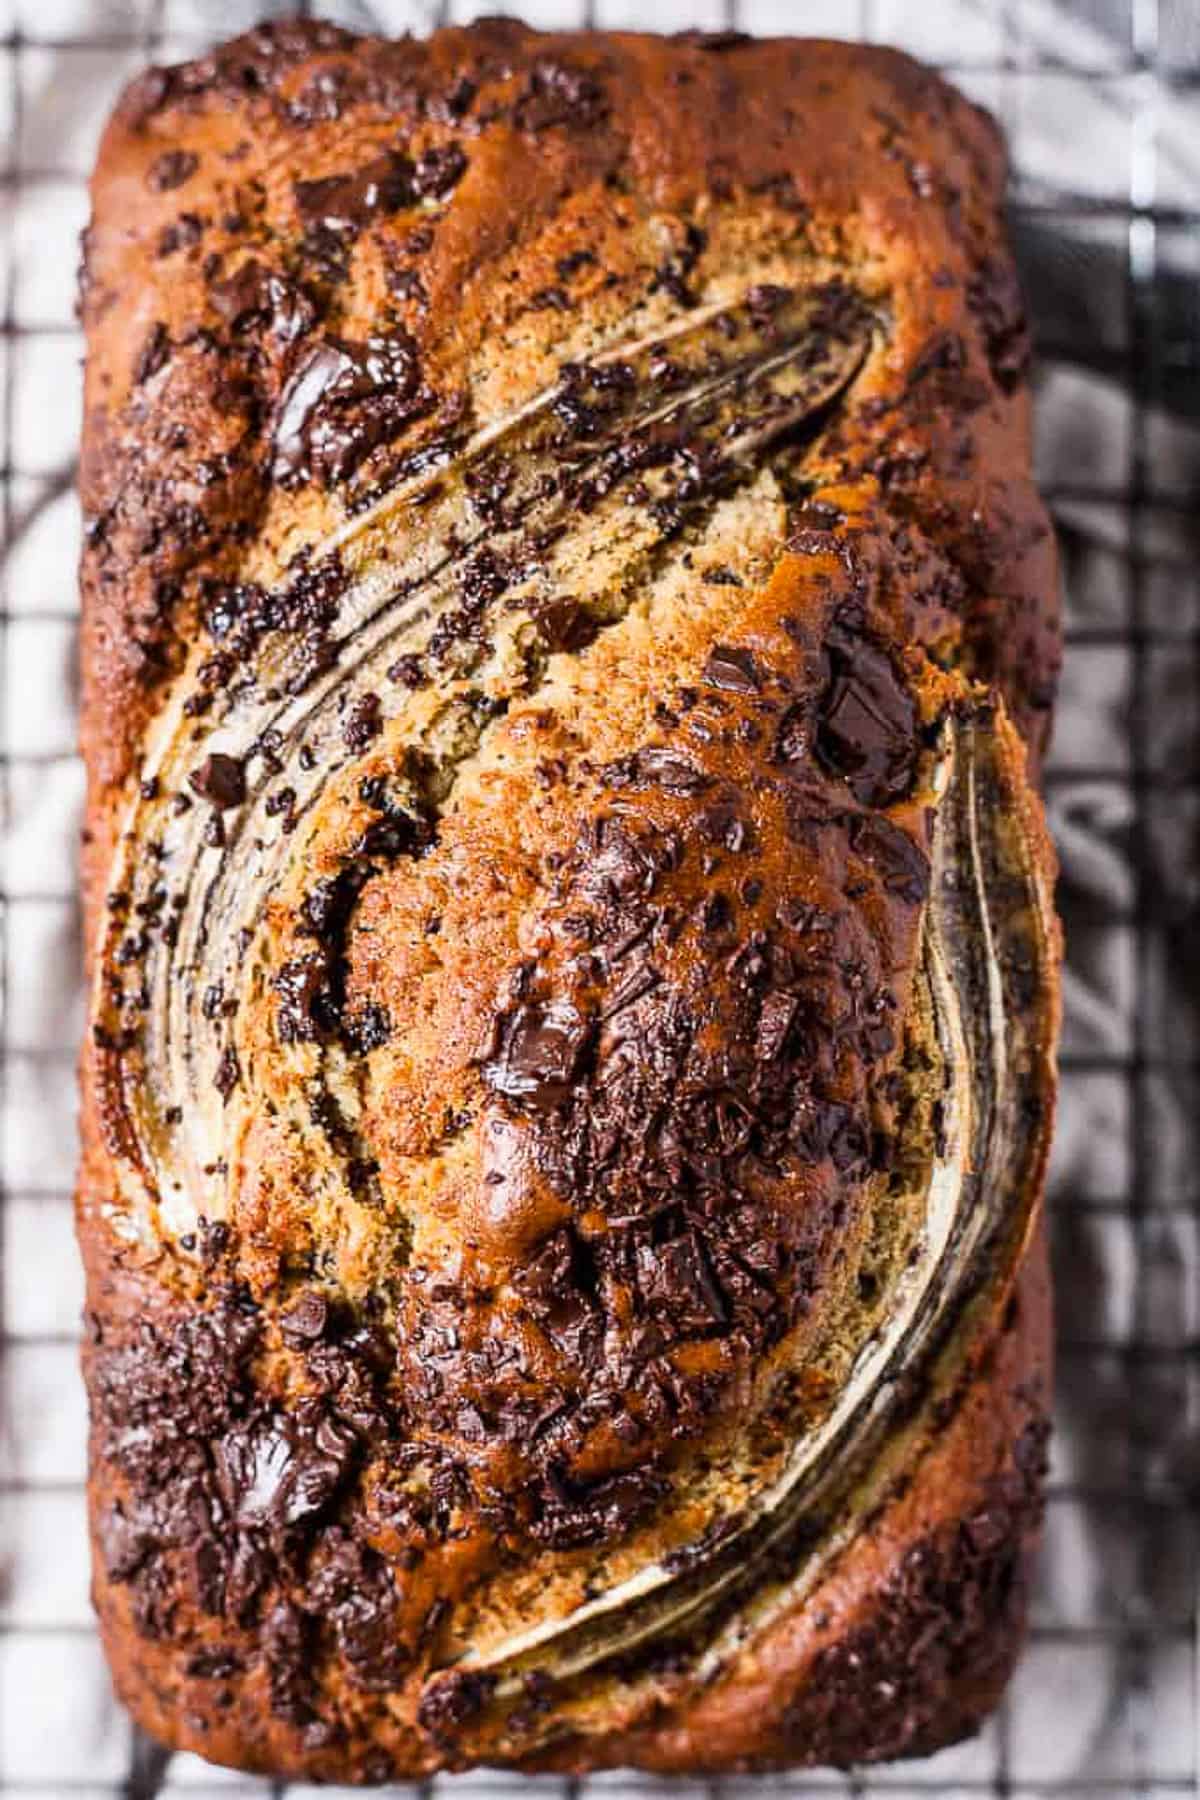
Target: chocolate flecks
column 959, row 1593
column 867, row 722
column 342, row 401
column 221, row 780
column 655, row 766
column 171, row 170
column 995, row 298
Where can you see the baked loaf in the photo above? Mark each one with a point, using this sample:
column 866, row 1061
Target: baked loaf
column 569, row 637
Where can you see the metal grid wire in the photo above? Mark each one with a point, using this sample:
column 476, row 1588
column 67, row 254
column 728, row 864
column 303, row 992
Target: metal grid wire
column 1112, row 1658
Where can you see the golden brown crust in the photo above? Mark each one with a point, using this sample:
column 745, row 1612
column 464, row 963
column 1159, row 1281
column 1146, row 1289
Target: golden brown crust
column 555, row 1121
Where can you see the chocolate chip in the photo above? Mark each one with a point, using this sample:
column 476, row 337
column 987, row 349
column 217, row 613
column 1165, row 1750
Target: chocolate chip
column 221, row 780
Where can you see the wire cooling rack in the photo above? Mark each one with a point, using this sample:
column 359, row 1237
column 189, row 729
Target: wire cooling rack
column 1099, row 99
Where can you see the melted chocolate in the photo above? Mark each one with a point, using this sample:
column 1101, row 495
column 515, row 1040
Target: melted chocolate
column 342, row 401
column 344, row 204
column 867, row 724
column 258, row 297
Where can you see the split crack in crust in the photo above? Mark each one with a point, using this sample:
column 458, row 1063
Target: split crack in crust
column 575, row 1132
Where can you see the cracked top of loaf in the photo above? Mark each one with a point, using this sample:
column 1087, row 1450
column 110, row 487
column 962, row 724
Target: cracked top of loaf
column 567, row 627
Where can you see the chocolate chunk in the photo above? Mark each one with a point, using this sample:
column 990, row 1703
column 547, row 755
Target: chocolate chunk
column 343, row 204
column 560, row 93
column 451, row 1700
column 439, row 170
column 171, row 170
column 903, row 864
column 577, row 1513
column 674, row 272
column 125, row 1543
column 368, row 1029
column 540, row 1052
column 678, row 1277
column 221, row 780
column 341, row 402
column 830, row 1128
column 564, row 624
column 793, row 740
column 305, row 1320
column 283, row 1472
column 721, row 575
column 353, row 1589
column 774, row 1023
column 733, row 669
column 183, row 234
column 867, row 723
column 256, row 295
column 726, row 825
column 716, row 43
column 153, row 355
column 363, row 723
column 229, row 1072
column 306, row 1006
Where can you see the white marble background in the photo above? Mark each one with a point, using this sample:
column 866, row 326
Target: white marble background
column 1100, row 99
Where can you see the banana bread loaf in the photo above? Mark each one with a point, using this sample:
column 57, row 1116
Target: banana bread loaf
column 568, row 640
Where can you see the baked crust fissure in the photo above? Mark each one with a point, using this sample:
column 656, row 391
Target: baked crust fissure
column 569, row 643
